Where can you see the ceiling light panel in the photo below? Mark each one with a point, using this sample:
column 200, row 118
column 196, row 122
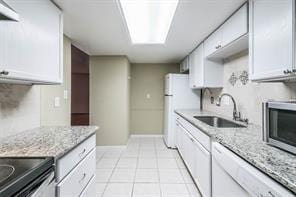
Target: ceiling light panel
column 148, row 21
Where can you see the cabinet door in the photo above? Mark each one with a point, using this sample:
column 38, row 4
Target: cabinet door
column 182, row 66
column 177, row 132
column 183, row 142
column 31, row 48
column 236, row 26
column 187, row 63
column 196, row 71
column 202, row 168
column 272, row 38
column 213, row 42
column 190, row 154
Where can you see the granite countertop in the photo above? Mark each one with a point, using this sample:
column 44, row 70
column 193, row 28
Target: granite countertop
column 45, row 141
column 248, row 144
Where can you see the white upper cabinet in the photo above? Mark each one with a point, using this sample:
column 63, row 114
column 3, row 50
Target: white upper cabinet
column 184, row 66
column 196, row 68
column 31, row 49
column 213, row 43
column 236, row 26
column 204, row 73
column 272, row 40
column 230, row 38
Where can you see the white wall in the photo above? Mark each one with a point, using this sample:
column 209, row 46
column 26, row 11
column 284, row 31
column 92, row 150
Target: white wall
column 249, row 97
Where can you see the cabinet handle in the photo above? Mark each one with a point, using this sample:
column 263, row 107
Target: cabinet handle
column 83, row 177
column 217, row 47
column 4, row 72
column 80, row 154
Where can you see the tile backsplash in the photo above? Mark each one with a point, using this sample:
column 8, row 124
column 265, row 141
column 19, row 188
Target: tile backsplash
column 19, row 108
column 248, row 95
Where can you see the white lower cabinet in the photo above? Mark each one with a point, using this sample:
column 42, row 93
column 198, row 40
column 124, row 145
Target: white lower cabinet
column 196, row 157
column 202, row 168
column 77, row 178
column 90, row 189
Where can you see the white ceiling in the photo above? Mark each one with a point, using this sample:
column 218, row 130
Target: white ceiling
column 97, row 27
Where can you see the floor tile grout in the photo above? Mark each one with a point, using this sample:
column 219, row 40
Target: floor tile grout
column 142, row 145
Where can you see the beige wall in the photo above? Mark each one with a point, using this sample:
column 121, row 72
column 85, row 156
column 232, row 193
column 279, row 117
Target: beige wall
column 110, row 98
column 250, row 96
column 51, row 115
column 147, row 113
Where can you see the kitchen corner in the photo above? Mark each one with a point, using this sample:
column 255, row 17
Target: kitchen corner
column 247, row 143
column 72, row 149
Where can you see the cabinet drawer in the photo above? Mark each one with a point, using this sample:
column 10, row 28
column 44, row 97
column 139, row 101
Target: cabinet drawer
column 70, row 160
column 196, row 133
column 90, row 189
column 74, row 183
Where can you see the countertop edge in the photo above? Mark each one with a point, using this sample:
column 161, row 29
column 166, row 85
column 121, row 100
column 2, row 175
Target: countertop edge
column 61, row 155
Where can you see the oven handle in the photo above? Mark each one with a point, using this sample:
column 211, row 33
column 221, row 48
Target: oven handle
column 41, row 186
column 47, row 186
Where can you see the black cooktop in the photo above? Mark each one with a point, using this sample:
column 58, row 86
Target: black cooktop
column 16, row 173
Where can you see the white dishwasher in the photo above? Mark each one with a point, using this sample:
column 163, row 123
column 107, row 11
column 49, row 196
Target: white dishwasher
column 233, row 177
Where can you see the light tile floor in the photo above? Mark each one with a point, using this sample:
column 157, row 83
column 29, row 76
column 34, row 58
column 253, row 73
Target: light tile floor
column 145, row 168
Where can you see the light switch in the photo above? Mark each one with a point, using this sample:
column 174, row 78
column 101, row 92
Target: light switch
column 57, row 102
column 65, row 94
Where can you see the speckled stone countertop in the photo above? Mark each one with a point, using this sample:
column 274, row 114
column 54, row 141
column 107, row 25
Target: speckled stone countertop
column 248, row 144
column 45, row 141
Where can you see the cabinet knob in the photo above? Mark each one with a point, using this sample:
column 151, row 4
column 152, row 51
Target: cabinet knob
column 4, row 72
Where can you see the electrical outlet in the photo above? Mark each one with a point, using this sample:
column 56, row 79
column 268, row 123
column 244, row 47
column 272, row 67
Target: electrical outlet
column 65, row 94
column 57, row 102
column 212, row 100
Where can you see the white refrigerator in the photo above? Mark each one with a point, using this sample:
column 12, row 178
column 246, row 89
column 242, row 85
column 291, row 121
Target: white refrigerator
column 177, row 95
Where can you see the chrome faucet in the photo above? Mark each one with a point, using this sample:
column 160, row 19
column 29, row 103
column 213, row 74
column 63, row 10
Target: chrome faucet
column 236, row 114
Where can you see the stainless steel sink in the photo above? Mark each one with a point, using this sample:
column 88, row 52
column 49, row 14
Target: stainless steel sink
column 215, row 121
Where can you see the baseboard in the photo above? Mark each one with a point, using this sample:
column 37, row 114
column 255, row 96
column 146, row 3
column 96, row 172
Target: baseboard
column 145, row 136
column 119, row 146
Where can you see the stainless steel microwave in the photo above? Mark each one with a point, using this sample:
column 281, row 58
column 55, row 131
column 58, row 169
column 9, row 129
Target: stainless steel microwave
column 279, row 124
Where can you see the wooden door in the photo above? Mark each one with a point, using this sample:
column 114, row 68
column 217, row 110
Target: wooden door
column 80, row 87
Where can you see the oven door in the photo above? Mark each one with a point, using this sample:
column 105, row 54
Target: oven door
column 280, row 125
column 43, row 186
